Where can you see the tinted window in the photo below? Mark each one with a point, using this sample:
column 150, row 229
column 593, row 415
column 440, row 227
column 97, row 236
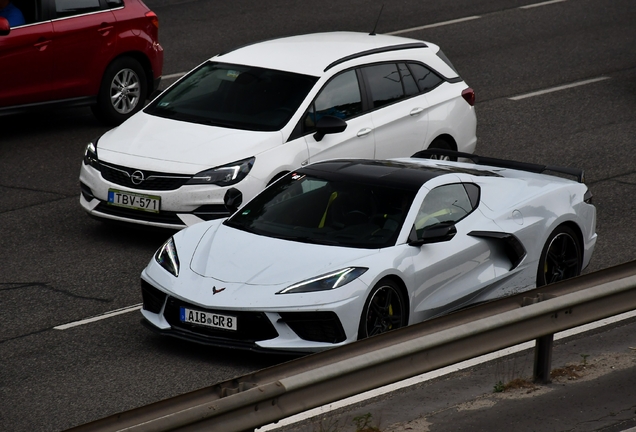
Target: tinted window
column 66, row 8
column 310, row 209
column 339, row 98
column 385, row 84
column 410, row 87
column 235, row 96
column 426, row 78
column 448, row 203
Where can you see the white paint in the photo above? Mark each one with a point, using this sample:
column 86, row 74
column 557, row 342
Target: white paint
column 541, row 4
column 99, row 317
column 558, row 88
column 440, row 24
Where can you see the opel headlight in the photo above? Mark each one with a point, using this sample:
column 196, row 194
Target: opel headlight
column 90, row 155
column 167, row 257
column 224, row 175
column 327, row 281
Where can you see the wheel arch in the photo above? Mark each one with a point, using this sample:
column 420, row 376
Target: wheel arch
column 446, row 138
column 277, row 176
column 402, row 286
column 579, row 234
column 145, row 63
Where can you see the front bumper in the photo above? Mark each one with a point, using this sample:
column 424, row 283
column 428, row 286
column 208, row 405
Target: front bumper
column 180, row 207
column 292, row 330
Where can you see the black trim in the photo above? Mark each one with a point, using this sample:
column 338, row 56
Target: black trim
column 42, row 106
column 503, row 163
column 513, row 247
column 221, row 343
column 413, row 45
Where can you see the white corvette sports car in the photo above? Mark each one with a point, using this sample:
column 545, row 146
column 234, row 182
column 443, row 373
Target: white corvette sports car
column 345, row 249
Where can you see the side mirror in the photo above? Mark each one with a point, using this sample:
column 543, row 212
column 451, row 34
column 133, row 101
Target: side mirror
column 233, row 199
column 5, row 28
column 329, row 125
column 440, row 232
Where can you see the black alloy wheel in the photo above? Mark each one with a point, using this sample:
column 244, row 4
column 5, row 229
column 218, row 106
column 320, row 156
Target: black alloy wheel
column 384, row 310
column 561, row 257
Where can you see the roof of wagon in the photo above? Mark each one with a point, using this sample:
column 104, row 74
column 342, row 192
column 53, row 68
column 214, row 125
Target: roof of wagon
column 311, row 54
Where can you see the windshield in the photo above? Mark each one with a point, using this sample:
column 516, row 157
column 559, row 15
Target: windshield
column 234, row 96
column 315, row 210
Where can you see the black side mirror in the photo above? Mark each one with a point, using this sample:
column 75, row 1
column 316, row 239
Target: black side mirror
column 233, row 199
column 329, row 125
column 5, row 28
column 440, row 232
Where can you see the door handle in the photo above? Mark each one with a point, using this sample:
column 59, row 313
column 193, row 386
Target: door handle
column 42, row 43
column 416, row 111
column 364, row 132
column 105, row 28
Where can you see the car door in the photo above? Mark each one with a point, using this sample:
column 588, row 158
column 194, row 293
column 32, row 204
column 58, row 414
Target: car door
column 26, row 59
column 399, row 115
column 341, row 97
column 448, row 274
column 84, row 43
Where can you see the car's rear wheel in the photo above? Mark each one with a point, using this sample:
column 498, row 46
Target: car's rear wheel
column 123, row 91
column 384, row 310
column 441, row 143
column 561, row 257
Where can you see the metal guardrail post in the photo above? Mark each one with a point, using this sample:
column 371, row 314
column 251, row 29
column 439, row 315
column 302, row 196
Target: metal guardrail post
column 543, row 346
column 543, row 359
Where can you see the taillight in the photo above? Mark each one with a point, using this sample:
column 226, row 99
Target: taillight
column 469, row 96
column 153, row 18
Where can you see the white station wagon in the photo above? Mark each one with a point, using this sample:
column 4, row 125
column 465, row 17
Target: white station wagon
column 245, row 118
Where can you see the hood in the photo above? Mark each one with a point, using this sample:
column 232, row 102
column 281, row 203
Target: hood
column 233, row 256
column 159, row 144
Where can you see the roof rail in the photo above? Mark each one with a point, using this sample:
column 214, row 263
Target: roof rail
column 377, row 51
column 502, row 163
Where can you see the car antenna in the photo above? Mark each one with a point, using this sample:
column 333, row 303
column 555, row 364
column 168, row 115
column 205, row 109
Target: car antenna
column 377, row 21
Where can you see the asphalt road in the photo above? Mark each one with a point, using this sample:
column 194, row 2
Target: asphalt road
column 58, row 266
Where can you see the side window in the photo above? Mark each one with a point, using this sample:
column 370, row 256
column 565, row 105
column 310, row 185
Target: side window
column 385, row 84
column 114, row 3
column 340, row 98
column 448, row 203
column 426, row 79
column 66, row 8
column 410, row 87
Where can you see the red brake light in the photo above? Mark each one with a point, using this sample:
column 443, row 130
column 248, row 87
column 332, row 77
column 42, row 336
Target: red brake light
column 153, row 18
column 469, row 96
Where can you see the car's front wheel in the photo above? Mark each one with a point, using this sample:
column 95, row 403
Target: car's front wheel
column 561, row 257
column 123, row 91
column 384, row 310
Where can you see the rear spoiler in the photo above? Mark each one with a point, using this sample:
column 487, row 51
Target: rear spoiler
column 502, row 163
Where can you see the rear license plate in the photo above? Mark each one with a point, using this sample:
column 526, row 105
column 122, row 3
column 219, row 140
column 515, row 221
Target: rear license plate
column 208, row 319
column 134, row 201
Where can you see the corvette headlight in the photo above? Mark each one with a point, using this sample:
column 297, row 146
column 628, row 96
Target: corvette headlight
column 327, row 281
column 224, row 175
column 90, row 155
column 167, row 257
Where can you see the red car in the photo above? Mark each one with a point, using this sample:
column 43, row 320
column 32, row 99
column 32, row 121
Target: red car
column 102, row 53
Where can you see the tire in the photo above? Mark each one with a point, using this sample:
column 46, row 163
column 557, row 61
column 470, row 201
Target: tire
column 122, row 92
column 384, row 310
column 561, row 257
column 441, row 143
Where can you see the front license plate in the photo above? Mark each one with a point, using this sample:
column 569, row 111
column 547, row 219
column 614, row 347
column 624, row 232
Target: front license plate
column 134, row 201
column 208, row 319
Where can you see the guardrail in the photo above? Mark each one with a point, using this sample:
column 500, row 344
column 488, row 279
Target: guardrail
column 271, row 394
